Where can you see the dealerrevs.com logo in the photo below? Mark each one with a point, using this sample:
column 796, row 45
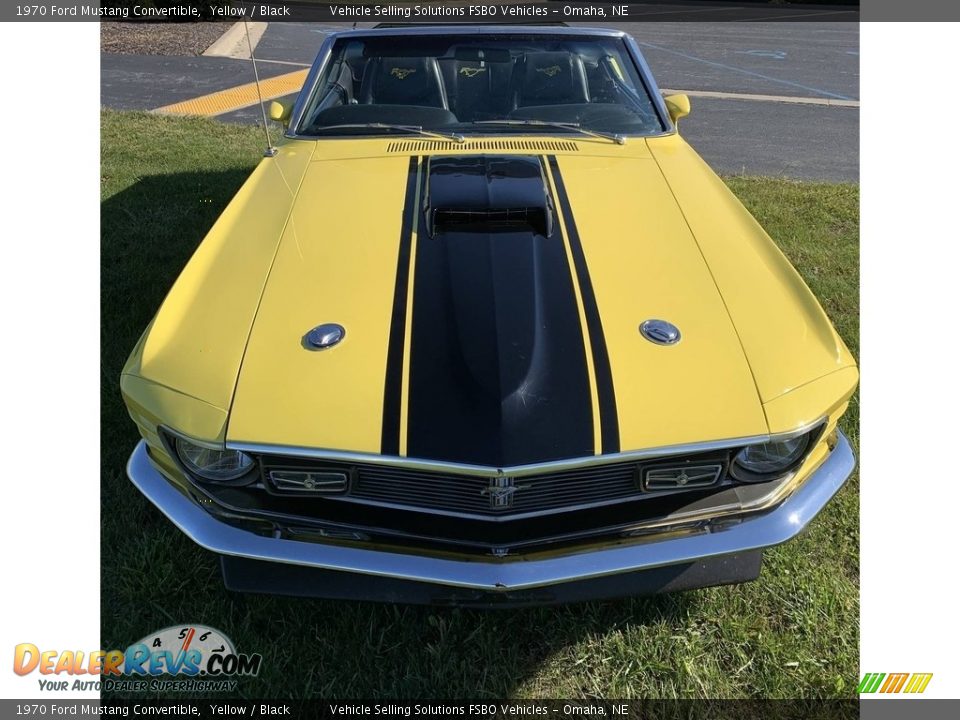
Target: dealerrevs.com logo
column 180, row 658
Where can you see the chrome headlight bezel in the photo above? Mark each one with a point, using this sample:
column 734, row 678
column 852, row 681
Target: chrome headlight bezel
column 189, row 455
column 792, row 450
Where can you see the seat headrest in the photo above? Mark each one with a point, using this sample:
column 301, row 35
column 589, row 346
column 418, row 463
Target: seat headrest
column 552, row 78
column 403, row 81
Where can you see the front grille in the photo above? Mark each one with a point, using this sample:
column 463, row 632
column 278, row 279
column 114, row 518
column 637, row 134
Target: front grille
column 451, row 493
column 496, row 496
column 397, row 505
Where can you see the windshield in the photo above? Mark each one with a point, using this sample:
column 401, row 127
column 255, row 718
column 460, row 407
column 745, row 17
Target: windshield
column 505, row 83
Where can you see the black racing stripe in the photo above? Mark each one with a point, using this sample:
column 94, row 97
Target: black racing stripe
column 498, row 363
column 393, row 385
column 609, row 424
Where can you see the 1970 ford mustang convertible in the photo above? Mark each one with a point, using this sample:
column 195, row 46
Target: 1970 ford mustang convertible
column 483, row 329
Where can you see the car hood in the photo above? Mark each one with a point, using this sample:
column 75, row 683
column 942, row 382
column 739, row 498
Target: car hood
column 492, row 304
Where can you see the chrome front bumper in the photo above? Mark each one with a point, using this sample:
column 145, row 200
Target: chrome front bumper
column 506, row 574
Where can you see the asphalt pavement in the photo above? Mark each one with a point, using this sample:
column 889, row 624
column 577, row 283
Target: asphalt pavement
column 767, row 83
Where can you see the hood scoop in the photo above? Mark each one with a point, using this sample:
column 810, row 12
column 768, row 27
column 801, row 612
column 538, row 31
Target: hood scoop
column 487, row 194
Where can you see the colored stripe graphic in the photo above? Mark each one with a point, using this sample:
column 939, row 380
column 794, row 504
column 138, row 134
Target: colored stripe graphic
column 918, row 682
column 498, row 372
column 866, row 682
column 584, row 327
column 609, row 422
column 393, row 385
column 893, row 683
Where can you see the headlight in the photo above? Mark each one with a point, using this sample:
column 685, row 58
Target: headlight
column 216, row 465
column 770, row 460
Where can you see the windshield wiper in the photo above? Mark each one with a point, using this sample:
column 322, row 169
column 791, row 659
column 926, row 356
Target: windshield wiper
column 615, row 137
column 455, row 137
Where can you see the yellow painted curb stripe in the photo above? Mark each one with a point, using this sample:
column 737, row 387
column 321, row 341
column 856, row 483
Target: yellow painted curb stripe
column 235, row 98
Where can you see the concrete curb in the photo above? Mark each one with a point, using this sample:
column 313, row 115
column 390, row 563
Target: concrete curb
column 233, row 43
column 764, row 98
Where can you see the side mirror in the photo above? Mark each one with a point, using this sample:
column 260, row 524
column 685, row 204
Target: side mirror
column 280, row 111
column 678, row 106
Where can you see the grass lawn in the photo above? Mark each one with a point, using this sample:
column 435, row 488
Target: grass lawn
column 793, row 633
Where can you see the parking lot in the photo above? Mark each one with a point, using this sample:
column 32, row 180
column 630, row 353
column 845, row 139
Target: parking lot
column 769, row 98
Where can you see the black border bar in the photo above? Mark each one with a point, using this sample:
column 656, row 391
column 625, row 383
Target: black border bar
column 399, row 12
column 387, row 709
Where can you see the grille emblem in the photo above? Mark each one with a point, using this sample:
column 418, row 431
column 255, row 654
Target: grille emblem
column 308, row 482
column 501, row 491
column 675, row 478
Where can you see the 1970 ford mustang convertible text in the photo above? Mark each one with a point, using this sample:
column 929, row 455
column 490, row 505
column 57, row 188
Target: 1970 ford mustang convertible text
column 484, row 329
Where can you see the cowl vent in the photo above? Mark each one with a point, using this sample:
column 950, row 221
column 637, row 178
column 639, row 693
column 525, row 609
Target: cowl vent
column 540, row 146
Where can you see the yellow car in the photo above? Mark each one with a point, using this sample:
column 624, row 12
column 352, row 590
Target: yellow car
column 483, row 329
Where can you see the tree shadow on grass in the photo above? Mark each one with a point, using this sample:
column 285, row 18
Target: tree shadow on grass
column 153, row 577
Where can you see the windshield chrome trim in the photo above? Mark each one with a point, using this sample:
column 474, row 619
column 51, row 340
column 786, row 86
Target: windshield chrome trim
column 650, row 83
column 479, row 29
column 309, row 85
column 326, row 49
column 516, row 470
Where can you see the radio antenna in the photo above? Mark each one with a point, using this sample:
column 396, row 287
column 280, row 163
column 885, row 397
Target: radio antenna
column 271, row 150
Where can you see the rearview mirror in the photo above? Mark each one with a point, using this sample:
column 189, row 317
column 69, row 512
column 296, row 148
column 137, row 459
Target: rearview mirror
column 476, row 54
column 678, row 106
column 280, row 111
